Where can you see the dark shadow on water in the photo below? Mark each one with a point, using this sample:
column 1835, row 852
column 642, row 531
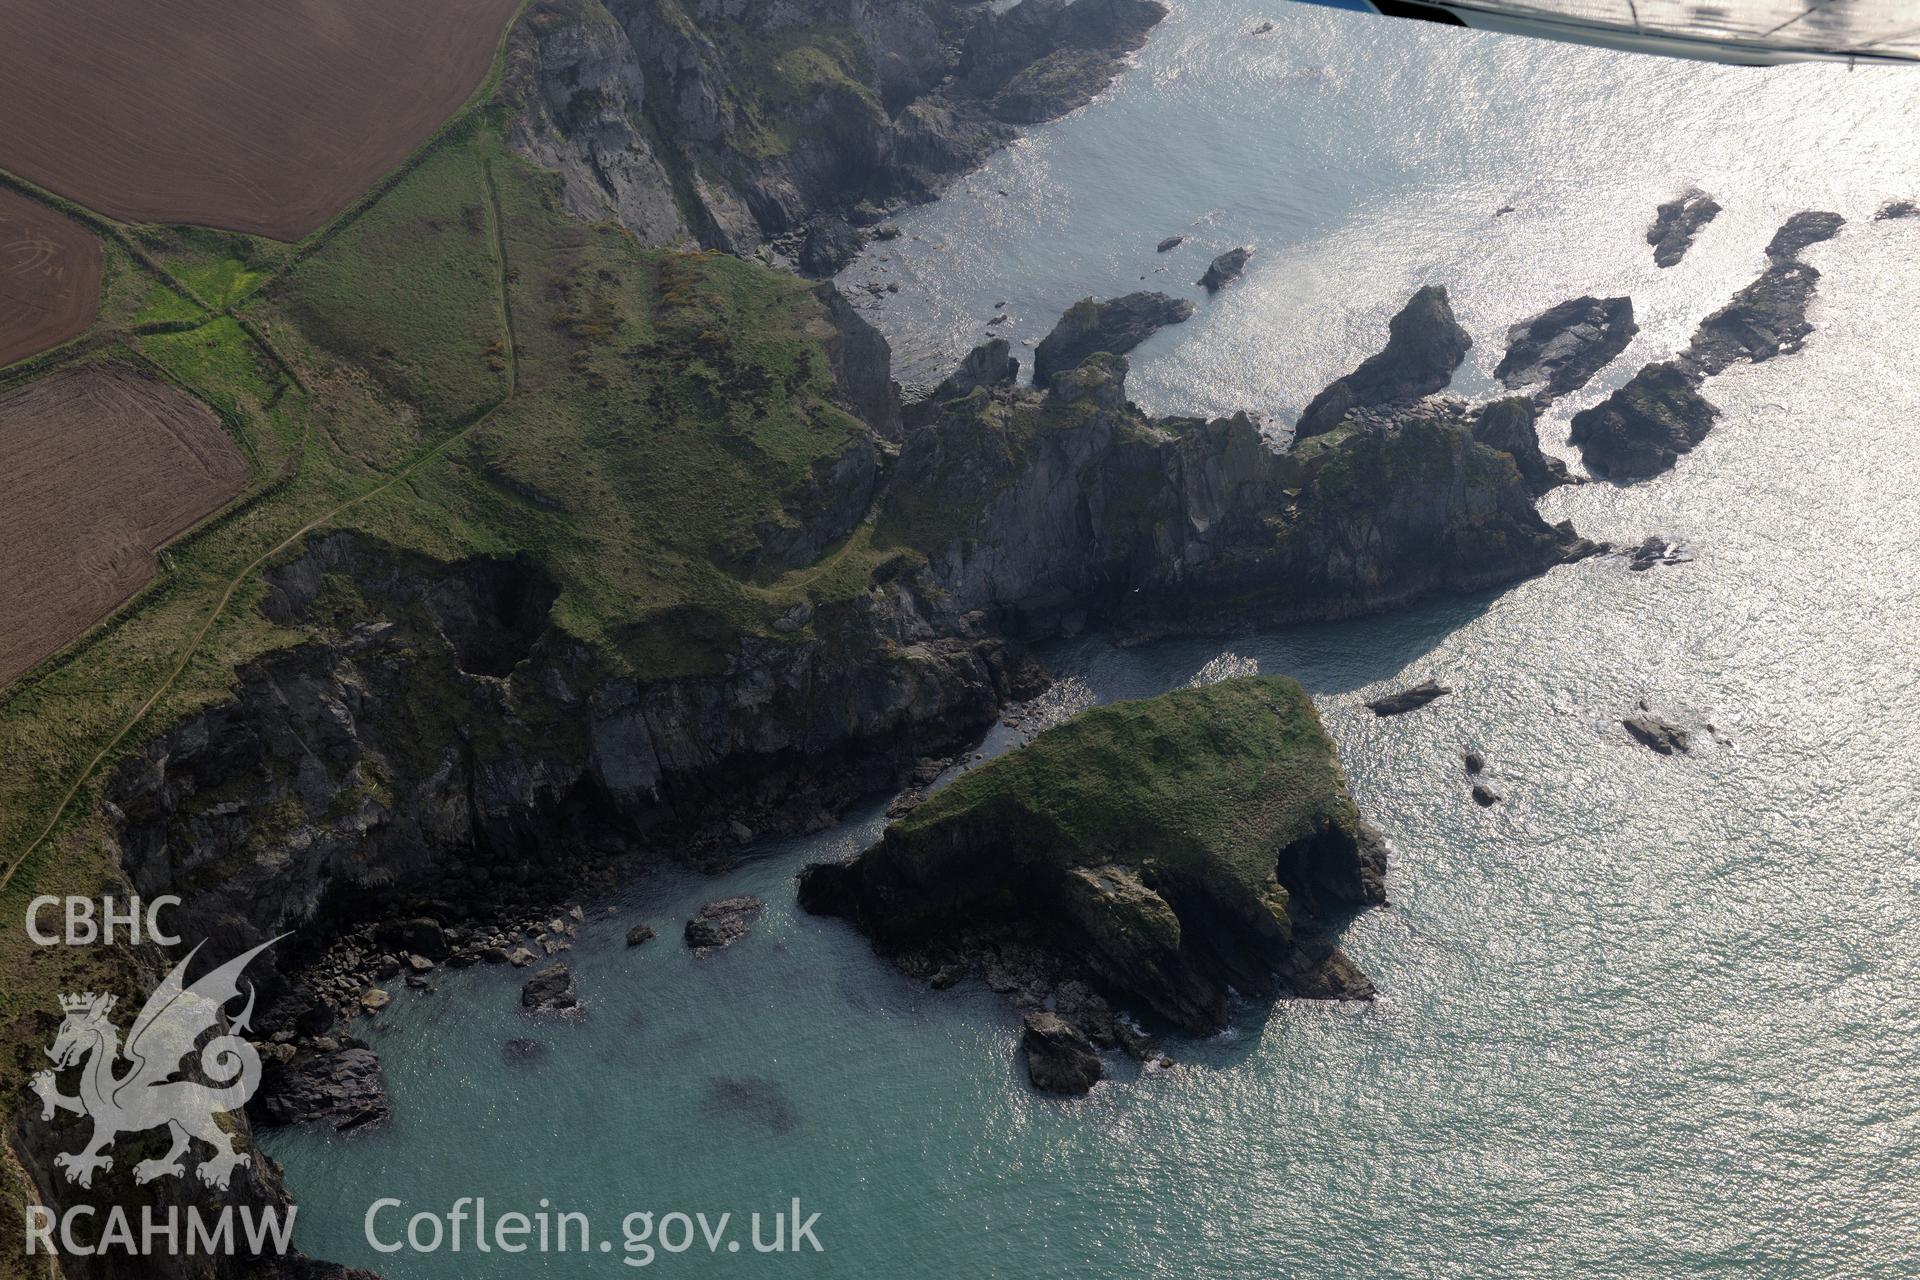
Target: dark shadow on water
column 1326, row 658
column 760, row 1102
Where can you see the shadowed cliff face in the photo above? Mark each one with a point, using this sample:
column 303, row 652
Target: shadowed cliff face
column 737, row 124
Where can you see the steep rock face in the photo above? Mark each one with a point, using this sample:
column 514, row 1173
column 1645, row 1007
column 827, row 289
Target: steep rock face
column 580, row 86
column 1510, row 426
column 1115, row 325
column 1170, row 847
column 1047, row 512
column 1561, row 349
column 380, row 759
column 1425, row 344
column 741, row 123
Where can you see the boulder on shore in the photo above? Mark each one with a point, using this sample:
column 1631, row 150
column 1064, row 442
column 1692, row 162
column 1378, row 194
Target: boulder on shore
column 1225, row 269
column 1059, row 1058
column 1559, row 350
column 1116, row 326
column 723, row 922
column 1425, row 344
column 1170, row 848
column 1676, row 223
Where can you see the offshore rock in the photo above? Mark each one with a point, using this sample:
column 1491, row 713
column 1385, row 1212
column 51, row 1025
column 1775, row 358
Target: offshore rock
column 1225, row 269
column 1561, row 349
column 1116, row 325
column 1059, row 1058
column 1641, row 430
column 1425, row 344
column 1657, row 735
column 552, row 990
column 1676, row 223
column 723, row 922
column 1169, row 848
column 1411, row 698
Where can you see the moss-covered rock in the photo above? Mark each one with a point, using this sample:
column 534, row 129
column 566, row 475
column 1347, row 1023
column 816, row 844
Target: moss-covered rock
column 1173, row 847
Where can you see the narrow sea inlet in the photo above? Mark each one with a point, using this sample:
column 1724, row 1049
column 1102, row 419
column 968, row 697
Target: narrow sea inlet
column 1647, row 1016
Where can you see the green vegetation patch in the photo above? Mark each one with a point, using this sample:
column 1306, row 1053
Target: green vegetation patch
column 1204, row 781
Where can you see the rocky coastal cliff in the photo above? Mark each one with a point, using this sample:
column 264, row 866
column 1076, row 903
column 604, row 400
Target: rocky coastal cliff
column 795, row 125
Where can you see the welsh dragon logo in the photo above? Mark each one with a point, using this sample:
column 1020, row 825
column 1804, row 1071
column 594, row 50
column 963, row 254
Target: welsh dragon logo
column 158, row 1086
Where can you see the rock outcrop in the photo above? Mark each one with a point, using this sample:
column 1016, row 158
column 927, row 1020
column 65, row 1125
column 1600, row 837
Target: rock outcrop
column 1411, row 698
column 1676, row 223
column 1060, row 1058
column 1425, row 344
column 552, row 990
column 1225, row 269
column 1642, row 429
column 795, row 125
column 1115, row 325
column 1559, row 350
column 723, row 922
column 1657, row 735
column 1170, row 849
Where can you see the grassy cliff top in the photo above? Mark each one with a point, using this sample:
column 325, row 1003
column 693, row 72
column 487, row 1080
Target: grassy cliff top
column 1213, row 779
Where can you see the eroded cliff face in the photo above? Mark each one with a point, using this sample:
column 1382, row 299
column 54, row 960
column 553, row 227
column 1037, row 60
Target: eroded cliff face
column 736, row 124
column 1052, row 511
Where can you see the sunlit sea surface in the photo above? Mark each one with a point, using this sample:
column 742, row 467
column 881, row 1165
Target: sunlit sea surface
column 1647, row 1017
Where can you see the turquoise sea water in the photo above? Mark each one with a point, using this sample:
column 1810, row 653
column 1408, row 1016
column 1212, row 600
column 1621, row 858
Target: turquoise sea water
column 1647, row 1017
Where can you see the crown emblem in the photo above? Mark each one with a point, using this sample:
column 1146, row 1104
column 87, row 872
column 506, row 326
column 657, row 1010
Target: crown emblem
column 87, row 1002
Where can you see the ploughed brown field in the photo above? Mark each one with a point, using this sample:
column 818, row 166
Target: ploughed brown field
column 99, row 468
column 267, row 117
column 49, row 277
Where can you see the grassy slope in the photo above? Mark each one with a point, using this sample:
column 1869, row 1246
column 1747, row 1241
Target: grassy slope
column 1214, row 779
column 650, row 408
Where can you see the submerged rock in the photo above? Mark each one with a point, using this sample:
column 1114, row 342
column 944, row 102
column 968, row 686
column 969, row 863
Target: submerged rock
column 1641, row 429
column 1170, row 243
column 1561, row 349
column 1060, row 1059
column 1170, row 848
column 1425, row 344
column 1408, row 699
column 723, row 922
column 1655, row 550
column 1116, row 325
column 1225, row 269
column 519, row 1050
column 640, row 933
column 1656, row 734
column 551, row 990
column 1676, row 223
column 1897, row 209
column 759, row 1101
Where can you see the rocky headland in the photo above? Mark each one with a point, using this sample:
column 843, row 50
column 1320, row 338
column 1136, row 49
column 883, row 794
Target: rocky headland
column 1163, row 852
